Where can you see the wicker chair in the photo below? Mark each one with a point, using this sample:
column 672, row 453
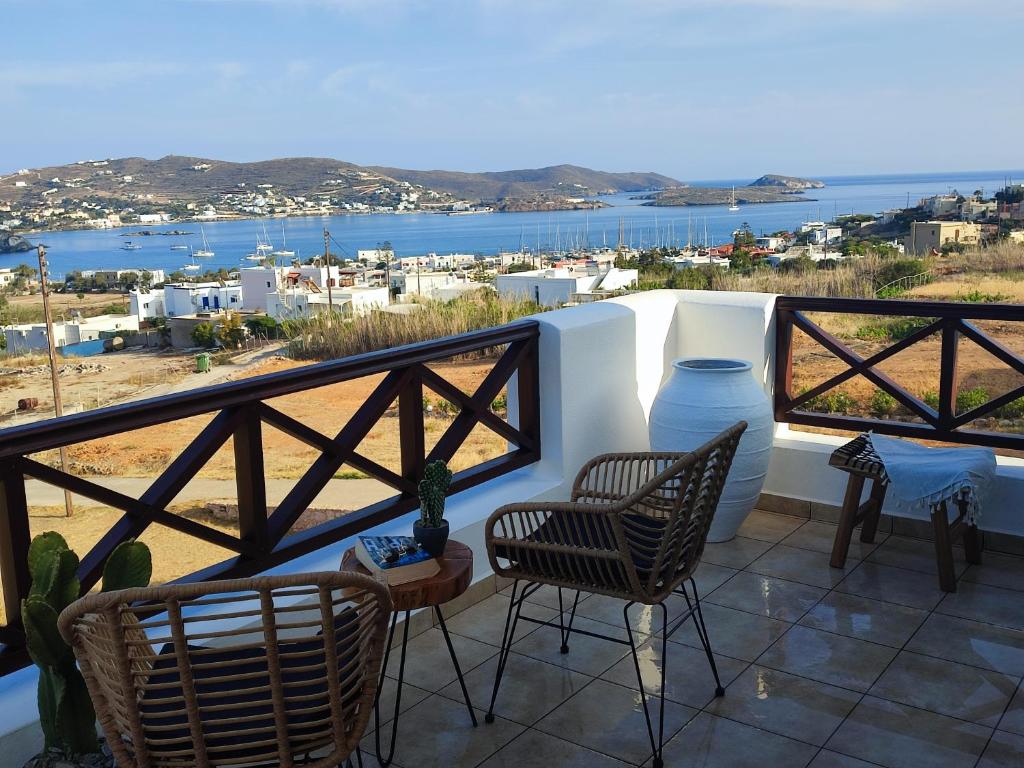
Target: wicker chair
column 261, row 671
column 635, row 530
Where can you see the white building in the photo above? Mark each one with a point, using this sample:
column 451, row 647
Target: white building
column 307, row 299
column 435, row 263
column 116, row 276
column 27, row 336
column 555, row 287
column 772, row 243
column 700, row 260
column 819, row 232
column 190, row 298
column 375, row 255
column 145, row 305
column 442, row 286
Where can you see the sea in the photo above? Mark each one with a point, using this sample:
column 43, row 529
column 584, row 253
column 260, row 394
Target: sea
column 413, row 234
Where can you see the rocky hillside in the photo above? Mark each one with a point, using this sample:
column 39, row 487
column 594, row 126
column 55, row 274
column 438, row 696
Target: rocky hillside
column 787, row 182
column 178, row 178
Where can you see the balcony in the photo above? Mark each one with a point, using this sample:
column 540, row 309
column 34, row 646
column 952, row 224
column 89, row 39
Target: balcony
column 824, row 667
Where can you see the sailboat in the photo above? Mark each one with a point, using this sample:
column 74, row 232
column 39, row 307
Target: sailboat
column 263, row 246
column 283, row 252
column 732, row 205
column 192, row 266
column 205, row 251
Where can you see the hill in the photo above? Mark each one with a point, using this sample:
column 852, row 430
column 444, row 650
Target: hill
column 182, row 179
column 565, row 180
column 786, row 182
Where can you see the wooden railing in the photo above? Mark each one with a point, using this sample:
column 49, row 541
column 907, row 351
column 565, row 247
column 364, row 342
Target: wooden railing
column 241, row 411
column 951, row 321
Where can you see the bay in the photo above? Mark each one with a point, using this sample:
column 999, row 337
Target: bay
column 487, row 234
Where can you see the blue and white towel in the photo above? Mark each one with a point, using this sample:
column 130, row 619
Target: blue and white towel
column 921, row 478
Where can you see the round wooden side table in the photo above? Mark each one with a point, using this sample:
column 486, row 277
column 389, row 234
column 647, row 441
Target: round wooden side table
column 447, row 584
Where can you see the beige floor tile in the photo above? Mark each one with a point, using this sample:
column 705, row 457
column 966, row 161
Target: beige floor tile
column 411, row 696
column 819, row 537
column 893, row 585
column 971, row 642
column 708, row 741
column 968, row 693
column 829, row 759
column 736, row 553
column 898, row 736
column 828, row 658
column 710, row 577
column 547, row 596
column 485, row 621
column 534, row 749
column 785, row 704
column 529, row 688
column 438, row 732
column 769, row 526
column 645, row 619
column 767, row 596
column 609, row 718
column 589, row 655
column 980, row 602
column 800, row 565
column 998, row 570
column 914, row 555
column 1005, row 750
column 1013, row 720
column 865, row 619
column 689, row 681
column 428, row 664
column 734, row 633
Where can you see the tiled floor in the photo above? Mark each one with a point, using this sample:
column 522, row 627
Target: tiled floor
column 872, row 665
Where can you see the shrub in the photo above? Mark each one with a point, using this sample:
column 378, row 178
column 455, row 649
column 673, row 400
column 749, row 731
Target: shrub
column 203, row 335
column 891, row 329
column 262, row 325
column 882, row 404
column 898, row 269
column 231, row 332
column 833, row 402
column 969, row 399
column 1012, row 410
column 931, row 399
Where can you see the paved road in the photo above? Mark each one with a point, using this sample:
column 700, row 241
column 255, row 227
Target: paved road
column 339, row 494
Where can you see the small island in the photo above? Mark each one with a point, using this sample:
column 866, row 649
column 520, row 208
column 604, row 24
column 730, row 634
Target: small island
column 14, row 244
column 770, row 188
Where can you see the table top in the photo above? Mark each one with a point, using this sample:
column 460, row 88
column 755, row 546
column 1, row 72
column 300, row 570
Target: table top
column 451, row 581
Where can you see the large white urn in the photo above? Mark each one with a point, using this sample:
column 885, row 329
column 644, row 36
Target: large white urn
column 703, row 396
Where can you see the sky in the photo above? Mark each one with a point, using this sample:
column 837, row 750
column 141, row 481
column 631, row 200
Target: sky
column 695, row 89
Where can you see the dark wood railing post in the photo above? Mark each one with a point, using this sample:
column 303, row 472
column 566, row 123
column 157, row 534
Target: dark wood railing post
column 250, row 480
column 947, row 372
column 783, row 362
column 410, row 427
column 528, row 384
column 15, row 537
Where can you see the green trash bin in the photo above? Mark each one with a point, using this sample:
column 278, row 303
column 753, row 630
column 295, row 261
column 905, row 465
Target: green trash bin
column 203, row 363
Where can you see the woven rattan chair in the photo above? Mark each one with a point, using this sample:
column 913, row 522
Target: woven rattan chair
column 261, row 671
column 635, row 529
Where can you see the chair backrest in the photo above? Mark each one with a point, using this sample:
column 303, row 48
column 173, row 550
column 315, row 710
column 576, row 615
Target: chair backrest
column 672, row 501
column 246, row 671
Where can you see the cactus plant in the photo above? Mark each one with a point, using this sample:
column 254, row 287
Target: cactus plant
column 432, row 489
column 65, row 710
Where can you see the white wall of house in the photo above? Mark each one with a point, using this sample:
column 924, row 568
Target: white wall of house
column 188, row 298
column 258, row 283
column 145, row 305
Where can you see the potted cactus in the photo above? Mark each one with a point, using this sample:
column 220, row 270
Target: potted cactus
column 431, row 530
column 65, row 709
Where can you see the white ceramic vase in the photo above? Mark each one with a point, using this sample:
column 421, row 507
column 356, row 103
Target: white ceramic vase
column 702, row 397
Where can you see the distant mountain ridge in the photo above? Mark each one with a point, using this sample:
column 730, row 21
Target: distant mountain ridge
column 786, row 182
column 183, row 178
column 570, row 180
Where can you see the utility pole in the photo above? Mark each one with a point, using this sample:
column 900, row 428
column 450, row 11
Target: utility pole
column 58, row 405
column 327, row 258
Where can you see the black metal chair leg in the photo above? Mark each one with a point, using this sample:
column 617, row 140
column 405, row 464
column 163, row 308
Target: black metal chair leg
column 455, row 663
column 656, row 744
column 514, row 607
column 398, row 691
column 563, row 630
column 702, row 633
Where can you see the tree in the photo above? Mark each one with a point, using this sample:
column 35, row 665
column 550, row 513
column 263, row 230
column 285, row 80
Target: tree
column 741, row 260
column 203, row 335
column 231, row 332
column 520, row 267
column 80, row 296
column 262, row 325
column 743, row 237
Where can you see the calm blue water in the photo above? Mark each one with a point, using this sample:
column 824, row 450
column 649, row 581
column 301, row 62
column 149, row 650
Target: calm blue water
column 413, row 234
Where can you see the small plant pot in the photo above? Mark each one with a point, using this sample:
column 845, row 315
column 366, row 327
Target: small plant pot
column 431, row 540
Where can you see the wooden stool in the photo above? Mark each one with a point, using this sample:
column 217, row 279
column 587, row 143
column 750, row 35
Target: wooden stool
column 859, row 460
column 450, row 582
